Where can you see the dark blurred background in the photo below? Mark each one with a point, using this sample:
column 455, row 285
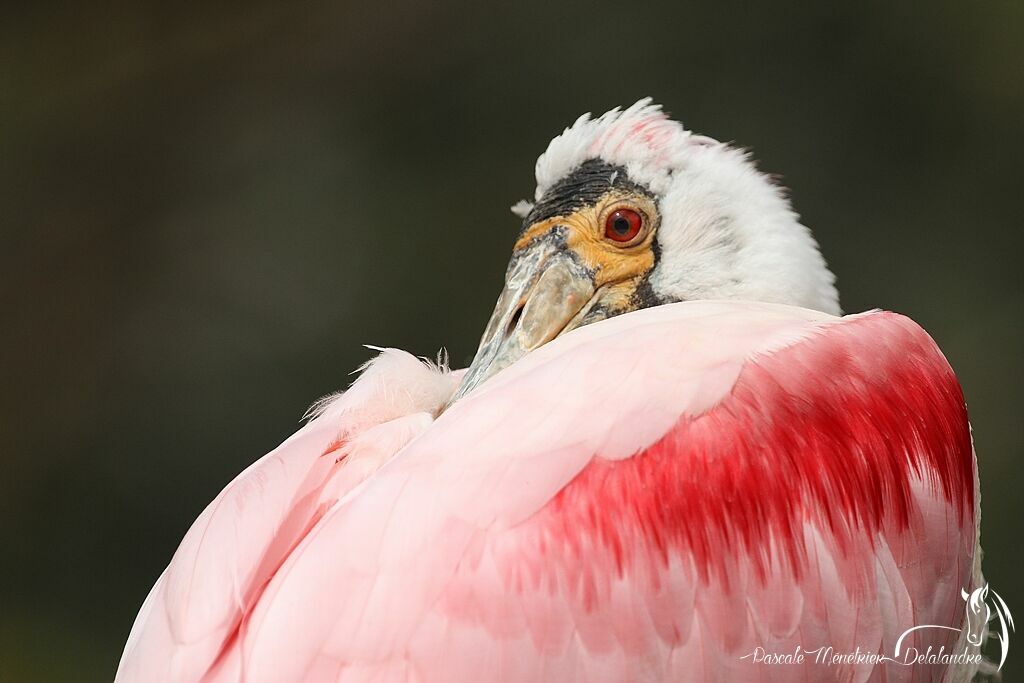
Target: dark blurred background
column 205, row 212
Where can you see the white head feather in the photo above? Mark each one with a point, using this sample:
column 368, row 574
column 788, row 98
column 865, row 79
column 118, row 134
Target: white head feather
column 727, row 231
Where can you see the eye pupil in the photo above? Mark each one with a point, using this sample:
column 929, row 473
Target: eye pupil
column 623, row 225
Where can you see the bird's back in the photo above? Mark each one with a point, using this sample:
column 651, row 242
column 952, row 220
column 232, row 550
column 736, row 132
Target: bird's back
column 674, row 494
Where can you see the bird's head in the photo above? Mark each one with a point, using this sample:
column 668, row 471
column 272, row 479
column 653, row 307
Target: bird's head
column 631, row 211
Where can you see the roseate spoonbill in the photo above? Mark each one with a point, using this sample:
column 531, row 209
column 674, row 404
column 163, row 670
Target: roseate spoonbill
column 718, row 485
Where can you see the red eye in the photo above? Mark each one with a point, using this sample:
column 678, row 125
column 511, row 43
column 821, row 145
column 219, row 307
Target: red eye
column 623, row 225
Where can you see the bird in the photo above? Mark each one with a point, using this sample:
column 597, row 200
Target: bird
column 672, row 458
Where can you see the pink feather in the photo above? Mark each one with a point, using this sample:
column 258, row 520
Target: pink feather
column 647, row 498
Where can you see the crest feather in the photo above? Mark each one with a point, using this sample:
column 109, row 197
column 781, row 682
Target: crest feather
column 642, row 138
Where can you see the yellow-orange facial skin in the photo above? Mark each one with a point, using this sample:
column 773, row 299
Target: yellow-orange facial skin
column 618, row 267
column 567, row 271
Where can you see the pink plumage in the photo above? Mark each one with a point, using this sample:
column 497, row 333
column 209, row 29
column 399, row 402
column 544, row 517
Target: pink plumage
column 651, row 497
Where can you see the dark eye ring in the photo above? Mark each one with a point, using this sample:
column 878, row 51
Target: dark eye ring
column 623, row 225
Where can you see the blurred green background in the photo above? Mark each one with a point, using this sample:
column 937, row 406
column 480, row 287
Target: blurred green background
column 206, row 211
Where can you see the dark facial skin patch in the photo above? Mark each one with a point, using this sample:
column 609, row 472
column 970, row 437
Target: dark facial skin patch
column 583, row 187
